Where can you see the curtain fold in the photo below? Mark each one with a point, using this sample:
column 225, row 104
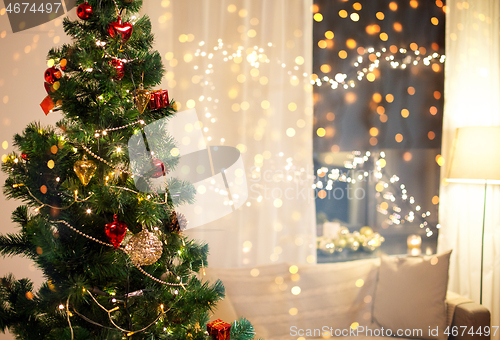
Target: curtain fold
column 245, row 66
column 472, row 98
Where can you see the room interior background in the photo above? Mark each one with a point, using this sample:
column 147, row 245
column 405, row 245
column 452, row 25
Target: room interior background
column 246, row 68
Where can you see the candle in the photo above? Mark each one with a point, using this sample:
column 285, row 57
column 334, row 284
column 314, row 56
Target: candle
column 414, row 242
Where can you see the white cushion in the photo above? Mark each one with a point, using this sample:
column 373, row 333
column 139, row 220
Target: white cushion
column 334, row 295
column 410, row 294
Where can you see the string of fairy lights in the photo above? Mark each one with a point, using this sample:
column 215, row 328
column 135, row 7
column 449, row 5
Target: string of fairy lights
column 364, row 67
column 385, row 188
column 109, row 312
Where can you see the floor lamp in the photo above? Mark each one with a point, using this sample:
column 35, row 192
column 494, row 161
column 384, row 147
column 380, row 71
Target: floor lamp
column 475, row 159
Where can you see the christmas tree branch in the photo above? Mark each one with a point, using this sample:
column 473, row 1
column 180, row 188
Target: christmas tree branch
column 16, row 244
column 242, row 329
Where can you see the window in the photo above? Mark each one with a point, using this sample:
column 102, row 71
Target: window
column 378, row 91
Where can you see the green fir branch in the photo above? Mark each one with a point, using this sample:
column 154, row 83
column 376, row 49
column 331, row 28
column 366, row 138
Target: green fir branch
column 242, row 329
column 16, row 244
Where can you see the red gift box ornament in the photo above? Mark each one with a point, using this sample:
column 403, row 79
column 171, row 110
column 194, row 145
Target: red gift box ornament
column 159, row 99
column 219, row 330
column 47, row 105
column 119, row 67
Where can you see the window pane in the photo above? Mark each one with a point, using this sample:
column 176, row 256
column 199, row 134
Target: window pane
column 378, row 90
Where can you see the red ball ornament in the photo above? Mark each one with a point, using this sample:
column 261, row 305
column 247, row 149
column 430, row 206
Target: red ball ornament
column 24, row 155
column 158, row 168
column 118, row 28
column 84, row 11
column 52, row 74
column 119, row 67
column 116, row 231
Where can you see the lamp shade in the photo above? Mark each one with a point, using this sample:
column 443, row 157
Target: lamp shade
column 476, row 155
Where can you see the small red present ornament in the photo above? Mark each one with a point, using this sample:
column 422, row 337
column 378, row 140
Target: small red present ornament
column 47, row 105
column 159, row 99
column 219, row 330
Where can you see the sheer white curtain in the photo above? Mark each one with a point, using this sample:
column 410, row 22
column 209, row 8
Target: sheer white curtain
column 472, row 98
column 265, row 111
column 245, row 67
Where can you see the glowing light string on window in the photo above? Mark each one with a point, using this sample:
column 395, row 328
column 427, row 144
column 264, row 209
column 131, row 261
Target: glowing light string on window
column 327, row 177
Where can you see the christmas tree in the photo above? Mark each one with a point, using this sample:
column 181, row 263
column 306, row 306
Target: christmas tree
column 116, row 263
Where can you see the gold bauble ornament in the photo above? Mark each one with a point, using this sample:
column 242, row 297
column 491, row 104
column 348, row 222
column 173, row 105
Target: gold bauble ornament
column 144, row 248
column 326, row 246
column 366, row 231
column 141, row 99
column 373, row 242
column 340, row 244
column 352, row 243
column 370, row 245
column 85, row 170
column 343, row 231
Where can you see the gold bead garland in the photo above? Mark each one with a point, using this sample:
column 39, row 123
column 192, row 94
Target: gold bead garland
column 124, row 171
column 158, row 280
column 120, row 127
column 110, row 245
column 107, row 163
column 83, row 234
